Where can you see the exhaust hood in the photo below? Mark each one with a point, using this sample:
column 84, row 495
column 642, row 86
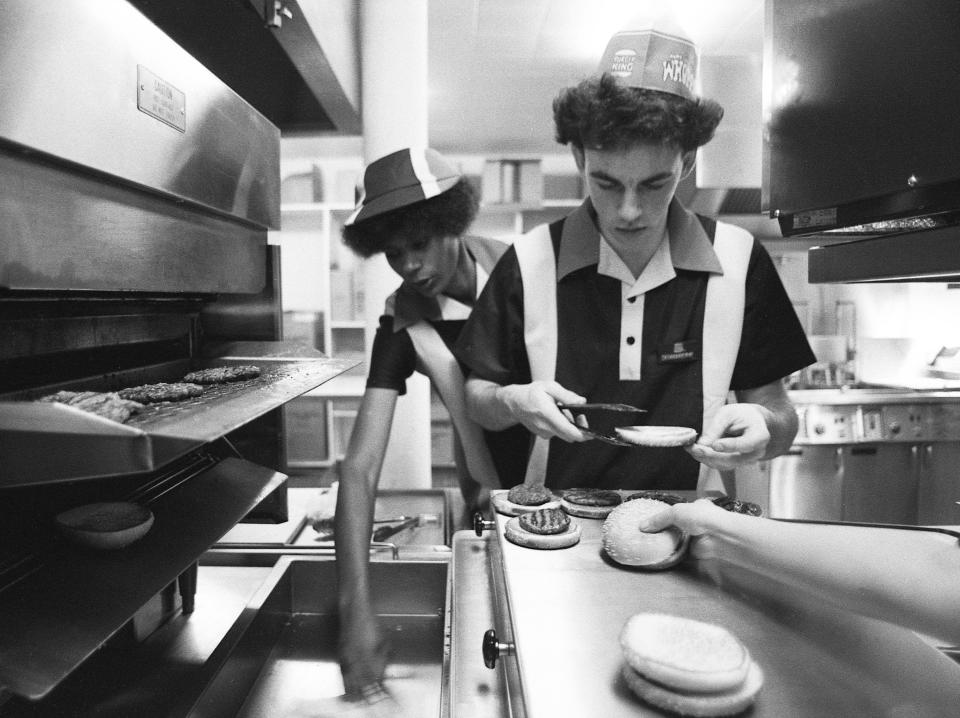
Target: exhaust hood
column 301, row 74
column 860, row 101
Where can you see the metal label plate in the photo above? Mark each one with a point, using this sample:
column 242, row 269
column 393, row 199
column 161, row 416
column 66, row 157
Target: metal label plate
column 161, row 100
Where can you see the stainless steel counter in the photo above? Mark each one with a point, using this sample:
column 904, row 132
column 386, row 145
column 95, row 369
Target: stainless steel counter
column 566, row 608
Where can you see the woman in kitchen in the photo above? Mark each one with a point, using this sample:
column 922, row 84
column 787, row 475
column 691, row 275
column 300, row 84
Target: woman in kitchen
column 415, row 208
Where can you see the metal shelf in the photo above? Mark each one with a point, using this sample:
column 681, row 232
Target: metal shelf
column 58, row 615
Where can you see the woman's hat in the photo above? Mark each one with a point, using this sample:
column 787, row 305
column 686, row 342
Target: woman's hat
column 653, row 59
column 402, row 178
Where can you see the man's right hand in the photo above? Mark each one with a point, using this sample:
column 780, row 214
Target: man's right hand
column 535, row 406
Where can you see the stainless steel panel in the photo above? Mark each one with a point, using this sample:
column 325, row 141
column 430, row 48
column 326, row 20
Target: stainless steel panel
column 69, row 79
column 280, row 658
column 475, row 690
column 807, row 483
column 67, row 230
column 938, row 495
column 568, row 607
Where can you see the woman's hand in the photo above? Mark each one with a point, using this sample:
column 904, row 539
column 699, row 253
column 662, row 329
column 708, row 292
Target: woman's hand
column 362, row 651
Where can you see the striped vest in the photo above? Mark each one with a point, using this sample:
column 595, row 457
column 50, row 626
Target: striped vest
column 722, row 326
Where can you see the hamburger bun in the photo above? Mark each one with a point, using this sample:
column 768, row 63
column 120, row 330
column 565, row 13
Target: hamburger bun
column 701, row 705
column 686, row 666
column 626, row 544
column 516, row 534
column 662, row 436
column 107, row 525
column 502, row 503
column 684, row 654
column 589, row 503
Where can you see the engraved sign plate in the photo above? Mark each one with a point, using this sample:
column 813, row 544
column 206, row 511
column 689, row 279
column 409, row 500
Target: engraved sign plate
column 161, row 100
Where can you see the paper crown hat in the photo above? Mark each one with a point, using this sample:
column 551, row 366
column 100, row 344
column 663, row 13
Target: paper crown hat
column 653, row 59
column 402, row 178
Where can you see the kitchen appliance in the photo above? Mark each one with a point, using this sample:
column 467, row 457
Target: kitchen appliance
column 870, row 455
column 553, row 618
column 136, row 191
column 859, row 100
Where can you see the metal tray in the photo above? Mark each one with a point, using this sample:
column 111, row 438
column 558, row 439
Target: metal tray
column 567, row 607
column 46, row 443
column 280, row 657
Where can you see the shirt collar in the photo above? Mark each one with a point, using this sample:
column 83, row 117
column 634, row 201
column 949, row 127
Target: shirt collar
column 690, row 247
column 409, row 306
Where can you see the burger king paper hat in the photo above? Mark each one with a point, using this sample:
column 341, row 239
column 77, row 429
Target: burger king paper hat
column 402, row 178
column 653, row 60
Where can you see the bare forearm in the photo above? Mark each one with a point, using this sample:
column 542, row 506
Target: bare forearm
column 782, row 424
column 486, row 405
column 356, row 497
column 910, row 580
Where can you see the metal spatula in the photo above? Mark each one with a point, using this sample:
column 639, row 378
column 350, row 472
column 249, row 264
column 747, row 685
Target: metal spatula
column 603, row 418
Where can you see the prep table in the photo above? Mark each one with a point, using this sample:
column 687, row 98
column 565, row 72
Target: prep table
column 557, row 616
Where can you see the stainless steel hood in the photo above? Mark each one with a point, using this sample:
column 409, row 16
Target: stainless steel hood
column 931, row 255
column 845, row 154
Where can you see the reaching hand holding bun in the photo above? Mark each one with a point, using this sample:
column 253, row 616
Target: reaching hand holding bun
column 626, row 543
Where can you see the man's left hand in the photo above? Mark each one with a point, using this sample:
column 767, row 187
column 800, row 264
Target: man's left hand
column 738, row 435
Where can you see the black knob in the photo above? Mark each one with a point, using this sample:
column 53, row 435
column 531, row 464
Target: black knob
column 493, row 649
column 480, row 524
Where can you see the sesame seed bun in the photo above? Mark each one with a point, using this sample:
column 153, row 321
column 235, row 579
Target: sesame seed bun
column 626, row 544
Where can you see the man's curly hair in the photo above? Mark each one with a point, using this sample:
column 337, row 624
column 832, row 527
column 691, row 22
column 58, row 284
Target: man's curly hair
column 449, row 214
column 600, row 113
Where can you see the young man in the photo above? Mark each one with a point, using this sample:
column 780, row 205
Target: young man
column 633, row 299
column 415, row 208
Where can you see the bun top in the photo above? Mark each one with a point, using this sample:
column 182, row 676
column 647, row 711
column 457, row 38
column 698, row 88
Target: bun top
column 683, row 653
column 626, row 544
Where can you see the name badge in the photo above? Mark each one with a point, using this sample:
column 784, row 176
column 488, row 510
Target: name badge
column 679, row 352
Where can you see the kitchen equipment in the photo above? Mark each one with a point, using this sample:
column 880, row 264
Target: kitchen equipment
column 602, row 419
column 881, row 455
column 280, row 657
column 384, row 532
column 882, row 191
column 561, row 657
column 138, row 191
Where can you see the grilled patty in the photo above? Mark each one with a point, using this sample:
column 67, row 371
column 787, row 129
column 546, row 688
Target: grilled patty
column 222, row 374
column 530, row 495
column 592, row 497
column 154, row 393
column 545, row 521
column 106, row 404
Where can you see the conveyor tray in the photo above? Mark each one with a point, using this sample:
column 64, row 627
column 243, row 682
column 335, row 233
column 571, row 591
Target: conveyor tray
column 47, row 442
